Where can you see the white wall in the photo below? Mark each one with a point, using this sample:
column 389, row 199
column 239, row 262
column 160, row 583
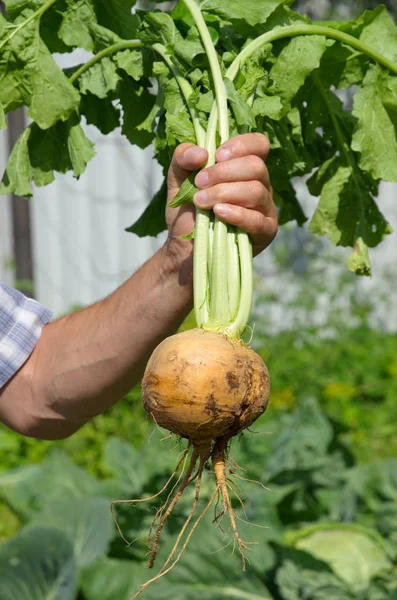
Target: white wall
column 81, row 251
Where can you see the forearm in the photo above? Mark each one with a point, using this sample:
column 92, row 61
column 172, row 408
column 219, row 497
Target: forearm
column 87, row 361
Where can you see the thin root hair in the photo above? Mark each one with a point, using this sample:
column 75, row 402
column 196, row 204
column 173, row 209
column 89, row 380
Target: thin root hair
column 183, row 457
column 193, row 528
column 162, row 508
column 171, row 506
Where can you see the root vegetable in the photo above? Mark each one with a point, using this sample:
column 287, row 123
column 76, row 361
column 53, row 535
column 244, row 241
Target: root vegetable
column 205, row 386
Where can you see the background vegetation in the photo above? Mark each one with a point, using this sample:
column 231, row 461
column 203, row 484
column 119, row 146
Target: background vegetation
column 326, row 527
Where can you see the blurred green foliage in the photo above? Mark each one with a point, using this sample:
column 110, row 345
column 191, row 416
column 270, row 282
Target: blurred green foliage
column 323, row 526
column 325, row 448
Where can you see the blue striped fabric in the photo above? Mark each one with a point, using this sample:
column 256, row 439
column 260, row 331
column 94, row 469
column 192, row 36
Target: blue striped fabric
column 21, row 323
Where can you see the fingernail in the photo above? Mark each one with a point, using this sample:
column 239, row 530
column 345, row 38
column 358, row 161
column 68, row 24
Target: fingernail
column 224, row 154
column 222, row 210
column 202, row 179
column 201, row 199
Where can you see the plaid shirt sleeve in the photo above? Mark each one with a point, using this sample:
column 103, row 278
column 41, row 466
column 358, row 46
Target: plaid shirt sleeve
column 21, row 323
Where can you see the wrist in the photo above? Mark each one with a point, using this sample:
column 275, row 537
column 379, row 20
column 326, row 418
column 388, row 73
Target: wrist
column 177, row 259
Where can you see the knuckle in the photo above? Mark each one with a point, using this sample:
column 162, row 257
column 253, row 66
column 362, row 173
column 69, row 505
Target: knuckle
column 264, row 142
column 258, row 167
column 258, row 222
column 256, row 190
column 217, row 173
column 238, row 219
column 221, row 193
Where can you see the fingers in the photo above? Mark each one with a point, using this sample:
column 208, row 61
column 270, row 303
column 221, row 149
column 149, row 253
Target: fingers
column 261, row 228
column 246, row 168
column 244, row 145
column 238, row 188
column 187, row 158
column 248, row 194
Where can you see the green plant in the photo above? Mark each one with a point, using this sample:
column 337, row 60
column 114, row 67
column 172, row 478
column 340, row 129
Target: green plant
column 276, row 72
column 319, row 500
column 257, row 45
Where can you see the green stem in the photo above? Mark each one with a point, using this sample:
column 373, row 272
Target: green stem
column 220, row 311
column 186, row 90
column 233, row 272
column 200, row 271
column 297, row 30
column 343, row 144
column 220, row 92
column 237, row 327
column 183, row 83
column 127, row 45
column 32, row 17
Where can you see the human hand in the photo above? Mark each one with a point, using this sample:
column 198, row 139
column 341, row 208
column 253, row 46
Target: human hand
column 237, row 188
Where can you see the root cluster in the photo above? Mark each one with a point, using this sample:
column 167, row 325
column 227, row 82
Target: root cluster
column 186, row 477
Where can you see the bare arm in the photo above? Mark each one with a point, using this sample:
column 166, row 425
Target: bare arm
column 87, row 361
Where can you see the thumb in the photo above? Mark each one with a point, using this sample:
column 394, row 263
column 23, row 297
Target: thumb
column 187, row 158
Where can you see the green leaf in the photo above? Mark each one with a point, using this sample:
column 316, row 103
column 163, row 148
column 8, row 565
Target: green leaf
column 288, row 204
column 160, row 27
column 347, row 212
column 138, row 104
column 28, row 489
column 205, row 102
column 100, row 112
column 293, row 65
column 268, row 106
column 253, row 12
column 100, row 79
column 295, row 583
column 80, row 149
column 75, row 29
column 18, row 175
column 381, row 34
column 303, row 443
column 375, row 137
column 38, row 564
column 3, row 122
column 181, row 127
column 130, row 61
column 253, row 78
column 37, row 154
column 29, row 76
column 191, row 49
column 110, row 578
column 117, row 16
column 87, row 522
column 124, row 462
column 359, row 261
column 196, row 576
column 242, row 111
column 186, row 192
column 152, row 221
column 355, row 555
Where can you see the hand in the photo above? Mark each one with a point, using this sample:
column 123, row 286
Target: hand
column 237, row 188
